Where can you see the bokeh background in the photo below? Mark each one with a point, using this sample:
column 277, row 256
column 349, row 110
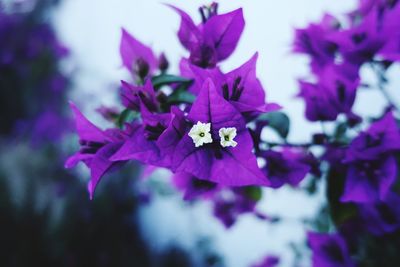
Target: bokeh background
column 91, row 30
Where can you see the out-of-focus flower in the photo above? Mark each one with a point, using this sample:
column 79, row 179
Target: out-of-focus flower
column 32, row 85
column 372, row 168
column 313, row 41
column 329, row 250
column 285, row 167
column 332, row 95
column 269, row 261
column 381, row 217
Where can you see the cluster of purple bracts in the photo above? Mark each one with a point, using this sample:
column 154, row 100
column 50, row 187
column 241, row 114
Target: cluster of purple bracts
column 204, row 125
column 365, row 165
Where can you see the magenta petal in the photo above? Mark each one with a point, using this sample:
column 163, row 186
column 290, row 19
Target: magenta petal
column 366, row 185
column 211, row 107
column 189, row 35
column 76, row 158
column 87, row 130
column 229, row 166
column 101, row 164
column 137, row 147
column 131, row 50
column 225, row 31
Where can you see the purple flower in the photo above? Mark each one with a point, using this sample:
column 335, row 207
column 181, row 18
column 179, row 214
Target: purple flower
column 206, row 156
column 360, row 43
column 269, row 261
column 382, row 137
column 213, row 40
column 240, row 87
column 329, row 250
column 381, row 217
column 369, row 181
column 391, row 30
column 313, row 41
column 372, row 168
column 285, row 167
column 136, row 57
column 155, row 139
column 332, row 95
column 97, row 146
column 230, row 204
column 132, row 96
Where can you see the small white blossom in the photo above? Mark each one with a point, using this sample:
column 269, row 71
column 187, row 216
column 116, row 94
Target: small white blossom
column 200, row 133
column 227, row 135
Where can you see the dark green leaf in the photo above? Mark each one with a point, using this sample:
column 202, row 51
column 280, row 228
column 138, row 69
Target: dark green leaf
column 181, row 95
column 253, row 192
column 126, row 116
column 278, row 121
column 166, row 79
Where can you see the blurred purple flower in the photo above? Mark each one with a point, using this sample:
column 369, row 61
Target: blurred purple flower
column 333, row 94
column 314, row 42
column 269, row 261
column 381, row 217
column 372, row 168
column 285, row 167
column 230, row 204
column 329, row 250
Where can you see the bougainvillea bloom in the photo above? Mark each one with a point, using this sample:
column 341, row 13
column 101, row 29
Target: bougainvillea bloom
column 235, row 166
column 213, row 40
column 360, row 43
column 329, row 250
column 97, row 147
column 136, row 57
column 132, row 96
column 314, row 42
column 372, row 167
column 285, row 167
column 381, row 217
column 332, row 95
column 240, row 87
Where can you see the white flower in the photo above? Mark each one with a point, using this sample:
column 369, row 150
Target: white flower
column 200, row 133
column 227, row 135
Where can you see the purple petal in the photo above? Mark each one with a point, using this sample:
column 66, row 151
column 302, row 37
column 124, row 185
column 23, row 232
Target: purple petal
column 86, row 130
column 132, row 50
column 101, row 164
column 189, row 35
column 224, row 31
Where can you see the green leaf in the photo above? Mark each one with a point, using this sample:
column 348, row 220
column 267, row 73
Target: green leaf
column 166, row 79
column 126, row 116
column 181, row 95
column 278, row 121
column 253, row 192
